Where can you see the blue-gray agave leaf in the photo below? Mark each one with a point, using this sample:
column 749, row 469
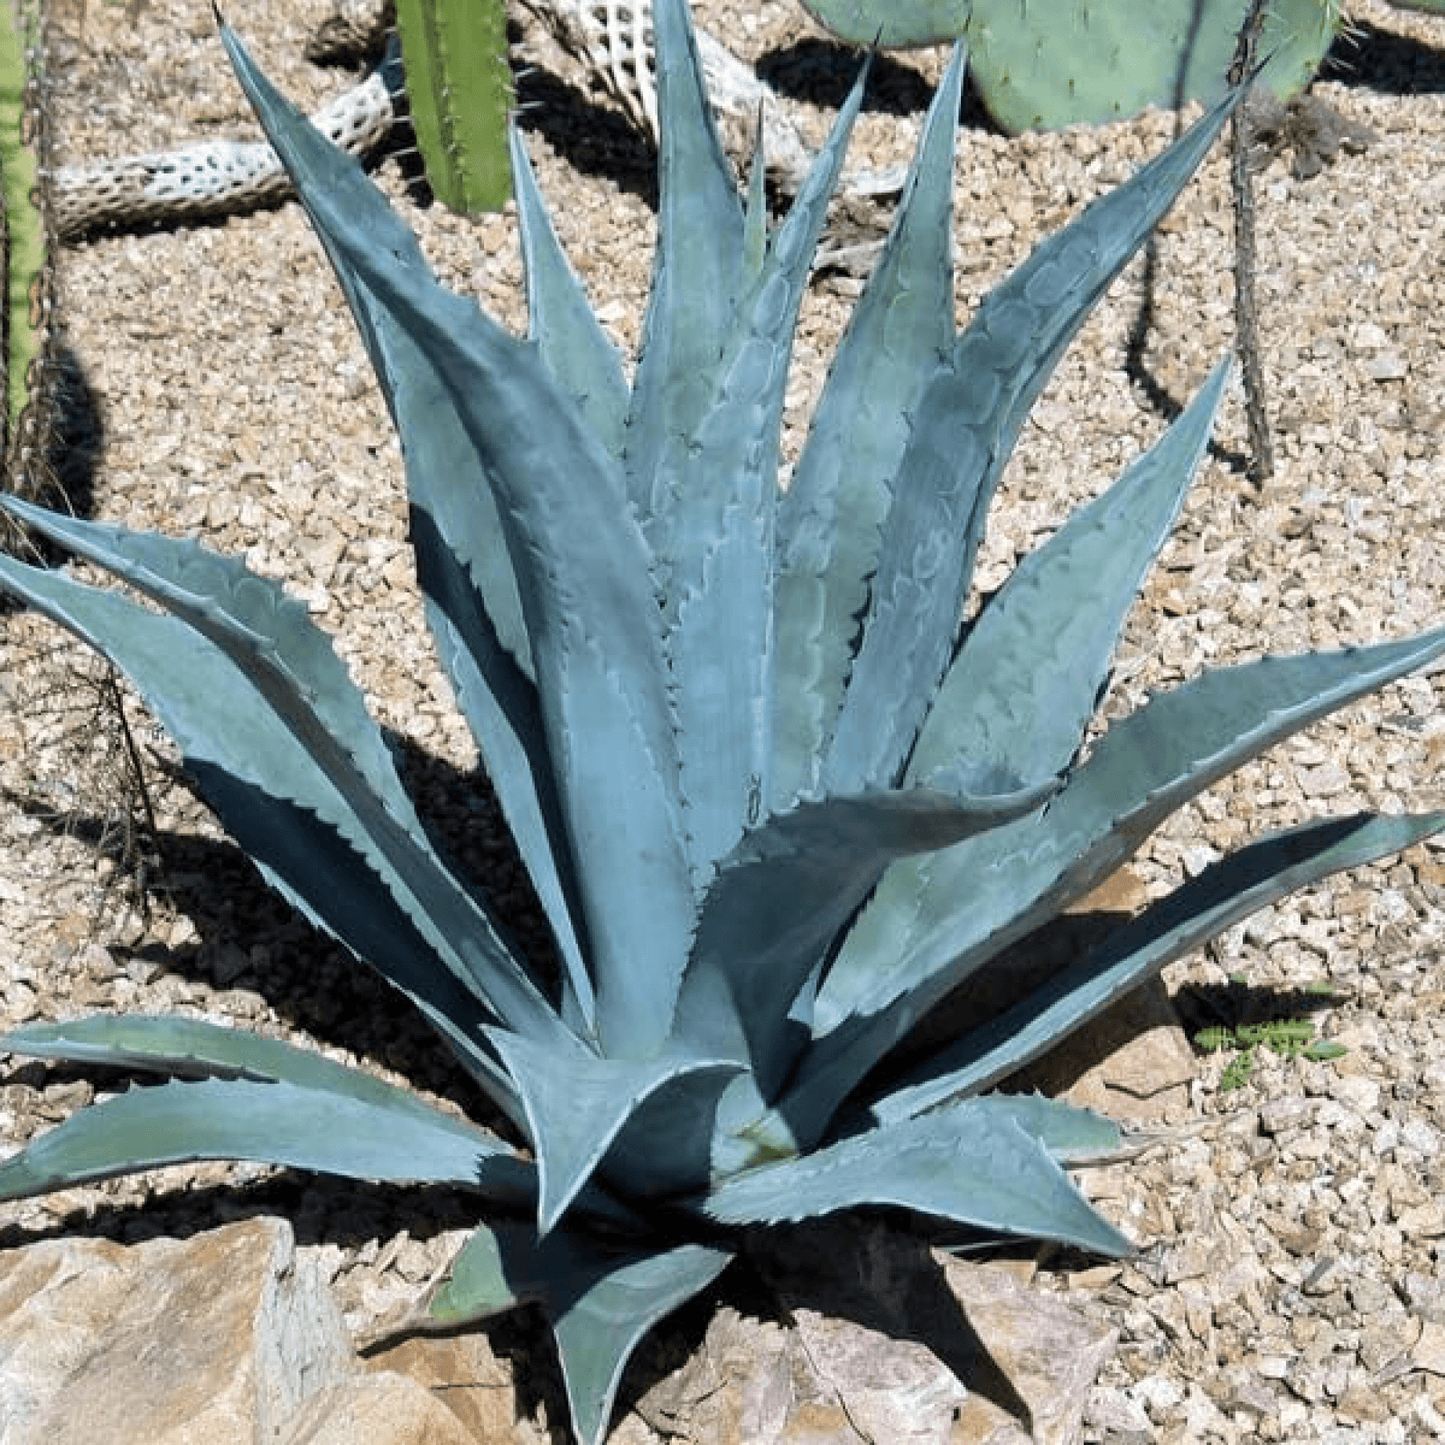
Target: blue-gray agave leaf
column 1066, row 1131
column 1028, row 678
column 755, row 215
column 195, row 1048
column 963, row 432
column 560, row 321
column 718, row 541
column 258, row 1100
column 600, row 1301
column 576, row 1104
column 281, row 1123
column 597, row 648
column 583, row 571
column 501, row 707
column 699, row 267
column 597, row 1329
column 444, row 470
column 974, row 1163
column 1222, row 895
column 830, row 517
column 318, row 872
column 274, row 800
column 463, row 563
column 780, row 899
column 1077, row 586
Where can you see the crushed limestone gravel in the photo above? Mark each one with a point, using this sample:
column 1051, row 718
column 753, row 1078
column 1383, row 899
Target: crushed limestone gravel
column 1290, row 1286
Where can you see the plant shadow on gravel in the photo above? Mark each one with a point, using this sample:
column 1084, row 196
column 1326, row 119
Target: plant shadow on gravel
column 595, row 139
column 1370, row 58
column 822, row 72
column 64, row 475
column 1238, row 1003
column 248, row 937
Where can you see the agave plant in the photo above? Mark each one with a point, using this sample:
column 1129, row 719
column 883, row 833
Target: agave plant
column 777, row 798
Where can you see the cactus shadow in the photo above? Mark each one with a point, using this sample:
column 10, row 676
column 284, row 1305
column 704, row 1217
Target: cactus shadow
column 822, row 73
column 63, row 474
column 595, row 140
column 76, row 438
column 1368, row 57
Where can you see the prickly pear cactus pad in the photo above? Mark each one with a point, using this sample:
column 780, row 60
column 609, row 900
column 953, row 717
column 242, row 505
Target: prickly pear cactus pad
column 250, row 457
column 1050, row 63
column 901, row 23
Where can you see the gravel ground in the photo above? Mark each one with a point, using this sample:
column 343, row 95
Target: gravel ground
column 1290, row 1289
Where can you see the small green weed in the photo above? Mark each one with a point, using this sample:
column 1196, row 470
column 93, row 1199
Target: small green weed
column 1290, row 1038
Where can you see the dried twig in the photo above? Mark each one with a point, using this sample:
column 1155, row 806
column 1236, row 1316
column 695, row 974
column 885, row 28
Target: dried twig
column 1246, row 330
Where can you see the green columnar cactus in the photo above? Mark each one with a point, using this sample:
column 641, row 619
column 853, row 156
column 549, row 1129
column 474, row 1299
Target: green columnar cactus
column 25, row 248
column 459, row 89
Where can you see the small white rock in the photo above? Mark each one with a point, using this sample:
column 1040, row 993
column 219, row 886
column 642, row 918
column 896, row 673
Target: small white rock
column 1159, row 1393
column 1359, row 1093
column 1390, row 365
column 1110, row 1408
column 1416, row 1134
